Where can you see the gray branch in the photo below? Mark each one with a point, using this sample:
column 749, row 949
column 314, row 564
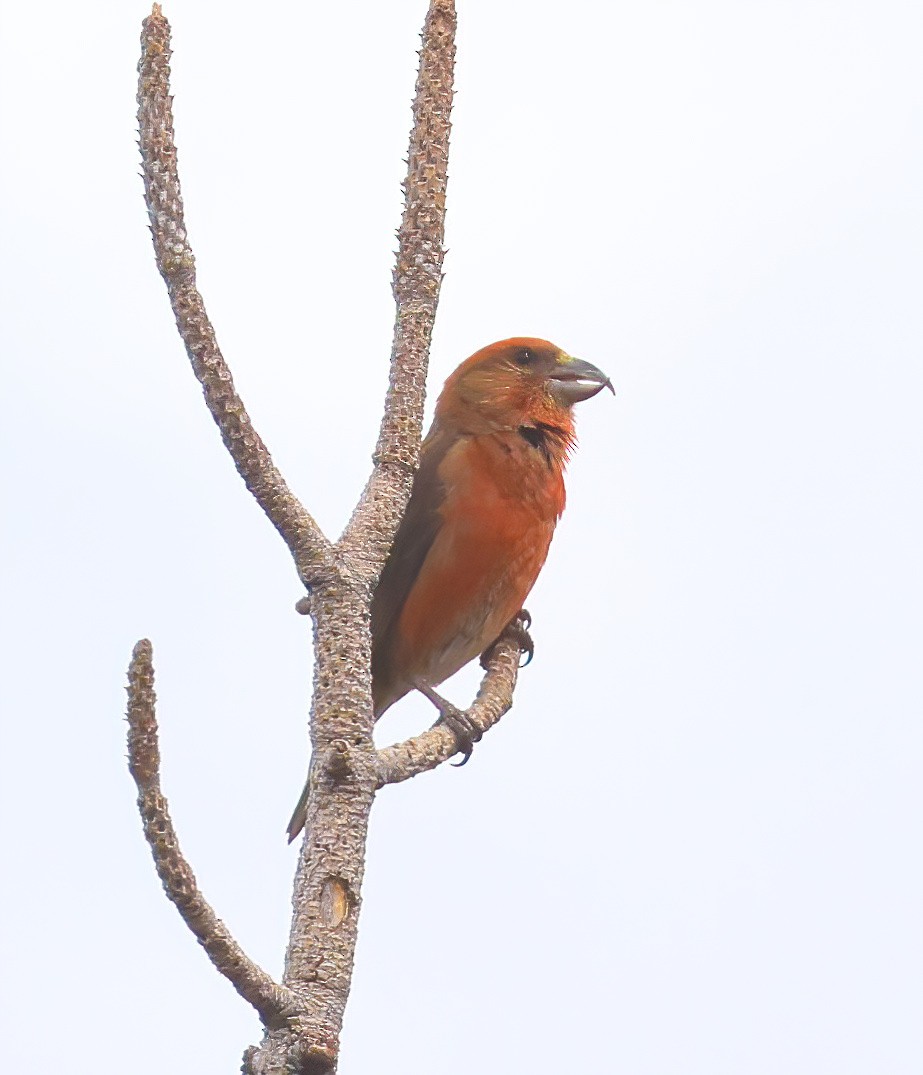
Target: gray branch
column 416, row 283
column 269, row 999
column 311, row 550
column 423, row 752
column 303, row 1016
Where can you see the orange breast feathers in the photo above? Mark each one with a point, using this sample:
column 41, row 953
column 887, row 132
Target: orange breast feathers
column 484, row 505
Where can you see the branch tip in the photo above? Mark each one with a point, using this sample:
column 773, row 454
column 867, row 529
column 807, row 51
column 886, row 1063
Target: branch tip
column 416, row 282
column 251, row 982
column 176, row 262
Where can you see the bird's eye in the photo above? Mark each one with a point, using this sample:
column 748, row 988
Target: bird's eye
column 524, row 356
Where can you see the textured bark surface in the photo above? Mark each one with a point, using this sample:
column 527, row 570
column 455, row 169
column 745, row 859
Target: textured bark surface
column 176, row 262
column 253, row 983
column 431, row 748
column 416, row 282
column 303, row 1014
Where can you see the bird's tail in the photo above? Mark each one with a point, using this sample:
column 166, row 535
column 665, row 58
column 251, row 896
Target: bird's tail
column 300, row 813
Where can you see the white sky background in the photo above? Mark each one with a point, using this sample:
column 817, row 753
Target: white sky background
column 693, row 848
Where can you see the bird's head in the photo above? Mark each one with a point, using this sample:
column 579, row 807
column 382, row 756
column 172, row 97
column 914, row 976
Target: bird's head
column 518, row 382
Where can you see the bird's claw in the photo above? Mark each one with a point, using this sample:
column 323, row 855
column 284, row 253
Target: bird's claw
column 466, row 734
column 461, row 726
column 518, row 630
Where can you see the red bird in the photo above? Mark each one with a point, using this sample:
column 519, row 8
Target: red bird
column 484, row 505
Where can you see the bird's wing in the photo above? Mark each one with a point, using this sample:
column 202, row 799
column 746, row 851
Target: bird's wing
column 412, row 543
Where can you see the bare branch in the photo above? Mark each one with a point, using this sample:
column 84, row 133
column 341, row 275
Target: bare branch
column 176, row 262
column 271, row 1000
column 328, row 880
column 303, row 1016
column 436, row 745
column 416, row 282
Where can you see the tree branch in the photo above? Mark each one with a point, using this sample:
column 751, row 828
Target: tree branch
column 416, row 282
column 426, row 751
column 303, row 1016
column 271, row 1000
column 311, row 550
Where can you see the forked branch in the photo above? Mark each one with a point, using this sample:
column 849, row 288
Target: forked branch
column 270, row 1000
column 303, row 1016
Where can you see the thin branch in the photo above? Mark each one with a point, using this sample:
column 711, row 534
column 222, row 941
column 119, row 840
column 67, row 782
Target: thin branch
column 271, row 1000
column 176, row 262
column 416, row 283
column 436, row 745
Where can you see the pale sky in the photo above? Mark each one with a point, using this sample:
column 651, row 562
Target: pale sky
column 693, row 847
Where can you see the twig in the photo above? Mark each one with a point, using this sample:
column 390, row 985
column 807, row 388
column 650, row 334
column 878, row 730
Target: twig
column 416, row 282
column 436, row 745
column 271, row 1000
column 312, row 551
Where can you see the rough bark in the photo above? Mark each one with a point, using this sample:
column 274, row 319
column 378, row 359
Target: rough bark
column 175, row 259
column 303, row 1014
column 254, row 984
column 416, row 282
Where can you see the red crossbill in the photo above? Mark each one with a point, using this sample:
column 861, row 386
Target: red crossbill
column 481, row 515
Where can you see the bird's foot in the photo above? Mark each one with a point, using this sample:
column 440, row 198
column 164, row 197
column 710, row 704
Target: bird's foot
column 518, row 629
column 456, row 720
column 466, row 734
